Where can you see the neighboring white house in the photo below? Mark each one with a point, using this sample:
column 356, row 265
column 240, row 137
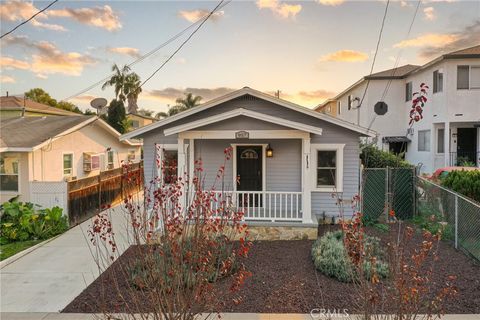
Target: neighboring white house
column 39, row 154
column 287, row 159
column 449, row 134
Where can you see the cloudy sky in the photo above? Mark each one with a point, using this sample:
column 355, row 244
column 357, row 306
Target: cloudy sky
column 309, row 50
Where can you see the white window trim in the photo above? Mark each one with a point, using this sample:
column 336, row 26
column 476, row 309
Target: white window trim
column 430, row 142
column 159, row 155
column 113, row 159
column 470, row 76
column 339, row 148
column 439, row 71
column 73, row 166
column 339, row 107
column 19, row 191
column 264, row 163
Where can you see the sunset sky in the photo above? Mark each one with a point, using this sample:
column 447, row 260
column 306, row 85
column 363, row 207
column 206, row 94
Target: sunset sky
column 309, row 50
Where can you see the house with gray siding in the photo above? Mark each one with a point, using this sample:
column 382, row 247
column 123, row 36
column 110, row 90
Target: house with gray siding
column 287, row 160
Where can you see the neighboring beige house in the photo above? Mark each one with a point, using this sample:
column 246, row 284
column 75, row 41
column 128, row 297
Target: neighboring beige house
column 38, row 154
column 139, row 120
column 17, row 107
column 328, row 107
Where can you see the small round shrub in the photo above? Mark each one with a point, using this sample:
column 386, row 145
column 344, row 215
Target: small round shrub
column 330, row 257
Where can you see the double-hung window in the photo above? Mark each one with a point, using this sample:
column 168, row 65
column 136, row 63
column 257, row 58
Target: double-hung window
column 68, row 164
column 327, row 162
column 9, row 173
column 424, row 140
column 110, row 159
column 167, row 162
column 468, row 77
column 437, row 81
column 408, row 91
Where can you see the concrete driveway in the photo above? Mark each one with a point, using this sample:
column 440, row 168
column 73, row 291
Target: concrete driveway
column 51, row 276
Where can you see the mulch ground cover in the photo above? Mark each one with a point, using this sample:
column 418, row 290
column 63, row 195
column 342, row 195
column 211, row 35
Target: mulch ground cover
column 285, row 281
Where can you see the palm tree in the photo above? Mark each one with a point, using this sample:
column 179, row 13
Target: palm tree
column 188, row 102
column 132, row 90
column 118, row 81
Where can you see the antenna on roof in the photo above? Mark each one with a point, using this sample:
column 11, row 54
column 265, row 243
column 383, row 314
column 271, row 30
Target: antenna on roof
column 99, row 104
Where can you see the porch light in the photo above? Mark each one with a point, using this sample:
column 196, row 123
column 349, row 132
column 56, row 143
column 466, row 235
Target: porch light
column 269, row 152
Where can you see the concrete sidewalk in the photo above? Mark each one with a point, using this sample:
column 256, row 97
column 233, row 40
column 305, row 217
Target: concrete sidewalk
column 51, row 276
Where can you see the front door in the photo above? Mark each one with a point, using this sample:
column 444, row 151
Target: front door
column 250, row 174
column 466, row 146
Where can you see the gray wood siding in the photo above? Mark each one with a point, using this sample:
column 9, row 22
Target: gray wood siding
column 283, row 170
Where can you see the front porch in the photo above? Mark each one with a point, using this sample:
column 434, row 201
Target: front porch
column 462, row 144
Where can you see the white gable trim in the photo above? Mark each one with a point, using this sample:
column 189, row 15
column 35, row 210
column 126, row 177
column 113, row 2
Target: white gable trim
column 242, row 112
column 259, row 95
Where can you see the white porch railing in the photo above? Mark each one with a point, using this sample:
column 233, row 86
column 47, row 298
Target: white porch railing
column 263, row 205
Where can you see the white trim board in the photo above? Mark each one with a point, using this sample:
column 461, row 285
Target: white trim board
column 255, row 93
column 253, row 134
column 242, row 112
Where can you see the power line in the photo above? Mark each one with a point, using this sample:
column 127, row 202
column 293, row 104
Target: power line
column 146, row 55
column 26, row 21
column 183, row 43
column 397, row 60
column 376, row 51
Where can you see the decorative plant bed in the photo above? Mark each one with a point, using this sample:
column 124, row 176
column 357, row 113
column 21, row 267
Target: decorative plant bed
column 285, row 281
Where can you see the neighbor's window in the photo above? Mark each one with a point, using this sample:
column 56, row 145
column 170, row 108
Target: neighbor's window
column 170, row 162
column 131, row 155
column 68, row 164
column 8, row 172
column 349, row 102
column 328, row 159
column 437, row 81
column 339, row 107
column 474, row 77
column 424, row 140
column 440, row 140
column 463, row 75
column 135, row 124
column 408, row 91
column 110, row 157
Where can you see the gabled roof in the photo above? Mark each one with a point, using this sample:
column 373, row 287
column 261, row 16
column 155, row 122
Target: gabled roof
column 472, row 52
column 242, row 112
column 394, row 73
column 17, row 104
column 23, row 134
column 254, row 93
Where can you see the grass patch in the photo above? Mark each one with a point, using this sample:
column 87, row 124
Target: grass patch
column 10, row 249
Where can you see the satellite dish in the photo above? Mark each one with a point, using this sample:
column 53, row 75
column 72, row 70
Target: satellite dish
column 99, row 104
column 380, row 108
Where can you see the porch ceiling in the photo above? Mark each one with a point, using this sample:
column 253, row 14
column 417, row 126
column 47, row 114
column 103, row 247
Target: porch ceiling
column 243, row 112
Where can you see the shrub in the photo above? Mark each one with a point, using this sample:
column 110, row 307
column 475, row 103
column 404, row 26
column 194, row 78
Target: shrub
column 372, row 157
column 330, row 257
column 22, row 221
column 464, row 182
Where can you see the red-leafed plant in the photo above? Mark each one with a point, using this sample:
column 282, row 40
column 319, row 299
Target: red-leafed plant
column 418, row 103
column 188, row 247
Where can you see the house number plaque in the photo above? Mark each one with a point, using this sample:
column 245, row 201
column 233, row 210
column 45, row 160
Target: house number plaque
column 242, row 135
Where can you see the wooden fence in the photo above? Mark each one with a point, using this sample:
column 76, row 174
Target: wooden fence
column 88, row 196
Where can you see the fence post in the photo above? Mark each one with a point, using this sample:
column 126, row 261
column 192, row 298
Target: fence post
column 387, row 192
column 456, row 222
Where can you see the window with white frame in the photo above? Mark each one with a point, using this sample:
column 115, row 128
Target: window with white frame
column 424, row 140
column 440, row 140
column 437, row 81
column 167, row 162
column 110, row 159
column 9, row 172
column 408, row 91
column 468, row 77
column 328, row 166
column 67, row 164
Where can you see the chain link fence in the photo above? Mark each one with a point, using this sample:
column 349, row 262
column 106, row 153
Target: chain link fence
column 459, row 215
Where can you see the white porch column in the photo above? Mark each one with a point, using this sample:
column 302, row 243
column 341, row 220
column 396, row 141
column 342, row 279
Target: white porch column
column 306, row 182
column 181, row 168
column 446, row 139
column 191, row 162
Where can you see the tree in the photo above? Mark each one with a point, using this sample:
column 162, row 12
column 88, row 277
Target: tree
column 145, row 112
column 182, row 104
column 126, row 85
column 116, row 116
column 41, row 96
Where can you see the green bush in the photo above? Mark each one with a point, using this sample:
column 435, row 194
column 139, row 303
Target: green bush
column 464, row 182
column 330, row 257
column 22, row 221
column 372, row 157
column 430, row 219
